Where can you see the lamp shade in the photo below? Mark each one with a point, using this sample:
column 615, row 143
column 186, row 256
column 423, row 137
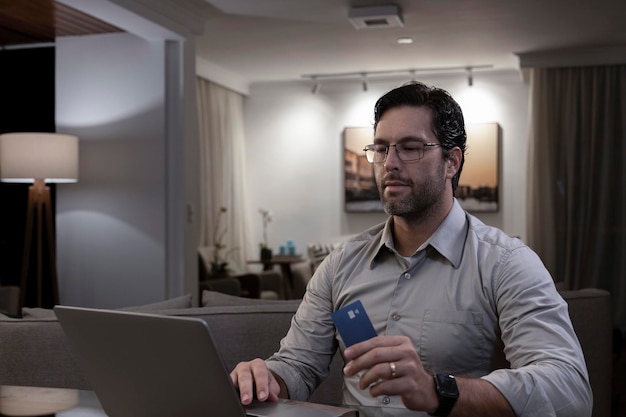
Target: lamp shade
column 25, row 157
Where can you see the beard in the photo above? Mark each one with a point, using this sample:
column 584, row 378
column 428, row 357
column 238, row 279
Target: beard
column 424, row 198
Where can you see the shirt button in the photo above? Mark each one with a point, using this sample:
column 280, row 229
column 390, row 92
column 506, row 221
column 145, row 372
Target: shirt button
column 407, row 275
column 386, row 400
column 395, row 317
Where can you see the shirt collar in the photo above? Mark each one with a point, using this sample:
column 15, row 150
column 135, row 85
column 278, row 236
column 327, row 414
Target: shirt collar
column 448, row 239
column 383, row 241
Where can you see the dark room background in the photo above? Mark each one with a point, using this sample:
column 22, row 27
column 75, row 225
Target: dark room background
column 27, row 100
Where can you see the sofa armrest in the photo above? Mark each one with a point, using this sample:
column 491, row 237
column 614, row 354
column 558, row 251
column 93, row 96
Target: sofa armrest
column 590, row 313
column 35, row 353
column 10, row 300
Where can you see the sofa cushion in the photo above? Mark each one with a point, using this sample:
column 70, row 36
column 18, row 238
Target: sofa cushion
column 37, row 313
column 254, row 329
column 214, row 298
column 184, row 301
column 245, row 328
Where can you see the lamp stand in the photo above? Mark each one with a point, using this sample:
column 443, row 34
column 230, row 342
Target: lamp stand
column 38, row 207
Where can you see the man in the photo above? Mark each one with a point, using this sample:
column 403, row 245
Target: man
column 440, row 288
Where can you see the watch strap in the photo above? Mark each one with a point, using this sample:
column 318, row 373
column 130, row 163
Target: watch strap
column 447, row 394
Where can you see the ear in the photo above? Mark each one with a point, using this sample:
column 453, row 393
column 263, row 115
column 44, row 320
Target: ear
column 453, row 162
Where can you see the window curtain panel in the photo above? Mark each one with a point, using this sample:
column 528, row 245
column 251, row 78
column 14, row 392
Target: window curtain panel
column 577, row 177
column 222, row 168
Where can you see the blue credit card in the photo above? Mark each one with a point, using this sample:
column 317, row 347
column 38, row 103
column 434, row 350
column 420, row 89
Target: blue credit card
column 353, row 324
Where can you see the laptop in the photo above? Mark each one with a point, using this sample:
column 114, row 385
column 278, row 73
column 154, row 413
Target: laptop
column 145, row 365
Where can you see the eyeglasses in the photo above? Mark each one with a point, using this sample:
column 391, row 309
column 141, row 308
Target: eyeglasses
column 406, row 151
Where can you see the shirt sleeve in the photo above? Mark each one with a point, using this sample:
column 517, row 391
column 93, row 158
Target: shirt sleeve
column 305, row 354
column 548, row 375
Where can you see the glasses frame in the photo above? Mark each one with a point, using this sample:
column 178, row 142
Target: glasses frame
column 371, row 148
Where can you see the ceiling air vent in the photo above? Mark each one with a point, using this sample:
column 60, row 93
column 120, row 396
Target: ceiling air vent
column 375, row 17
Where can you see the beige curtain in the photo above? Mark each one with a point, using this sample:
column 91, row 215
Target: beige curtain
column 222, row 164
column 577, row 177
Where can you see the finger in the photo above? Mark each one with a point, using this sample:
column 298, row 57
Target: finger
column 273, row 391
column 242, row 379
column 361, row 348
column 371, row 358
column 391, row 387
column 263, row 378
column 377, row 374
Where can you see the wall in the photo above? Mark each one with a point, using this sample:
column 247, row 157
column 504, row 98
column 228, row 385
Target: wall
column 295, row 157
column 111, row 224
column 128, row 231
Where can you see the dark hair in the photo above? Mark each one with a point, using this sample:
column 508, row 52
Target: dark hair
column 448, row 121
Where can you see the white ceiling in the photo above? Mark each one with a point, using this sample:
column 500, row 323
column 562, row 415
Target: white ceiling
column 265, row 40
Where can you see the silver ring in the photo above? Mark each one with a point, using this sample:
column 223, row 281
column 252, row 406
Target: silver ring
column 392, row 368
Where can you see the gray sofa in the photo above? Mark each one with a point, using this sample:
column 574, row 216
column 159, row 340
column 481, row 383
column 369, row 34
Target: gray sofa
column 33, row 351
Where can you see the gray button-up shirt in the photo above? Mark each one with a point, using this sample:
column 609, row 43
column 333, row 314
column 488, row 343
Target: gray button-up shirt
column 466, row 284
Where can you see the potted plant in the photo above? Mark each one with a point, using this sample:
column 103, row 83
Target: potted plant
column 219, row 263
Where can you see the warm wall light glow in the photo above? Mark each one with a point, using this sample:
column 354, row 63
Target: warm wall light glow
column 478, row 105
column 361, row 110
column 25, row 157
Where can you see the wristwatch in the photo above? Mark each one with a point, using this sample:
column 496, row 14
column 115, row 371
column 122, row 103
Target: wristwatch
column 448, row 393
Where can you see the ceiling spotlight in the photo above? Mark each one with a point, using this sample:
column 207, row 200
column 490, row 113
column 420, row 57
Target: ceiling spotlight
column 404, row 41
column 316, row 86
column 470, row 77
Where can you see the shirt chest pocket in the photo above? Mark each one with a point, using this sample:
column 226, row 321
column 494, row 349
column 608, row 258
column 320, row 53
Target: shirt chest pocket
column 455, row 341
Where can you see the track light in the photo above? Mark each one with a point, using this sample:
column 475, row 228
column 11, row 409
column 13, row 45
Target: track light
column 363, row 76
column 316, row 86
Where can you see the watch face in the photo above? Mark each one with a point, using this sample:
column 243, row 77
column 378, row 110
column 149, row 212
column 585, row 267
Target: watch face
column 446, row 385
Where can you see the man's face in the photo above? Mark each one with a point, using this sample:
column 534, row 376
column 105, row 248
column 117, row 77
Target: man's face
column 409, row 189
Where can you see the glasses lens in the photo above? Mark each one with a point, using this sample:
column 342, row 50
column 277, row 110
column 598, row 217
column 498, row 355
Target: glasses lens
column 376, row 153
column 407, row 151
column 410, row 151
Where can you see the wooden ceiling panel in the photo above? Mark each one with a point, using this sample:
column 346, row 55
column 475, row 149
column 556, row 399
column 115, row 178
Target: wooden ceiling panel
column 41, row 21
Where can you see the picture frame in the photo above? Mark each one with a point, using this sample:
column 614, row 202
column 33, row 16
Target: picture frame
column 479, row 184
column 360, row 190
column 478, row 189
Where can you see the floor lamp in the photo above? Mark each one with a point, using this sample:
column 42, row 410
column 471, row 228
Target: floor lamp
column 39, row 158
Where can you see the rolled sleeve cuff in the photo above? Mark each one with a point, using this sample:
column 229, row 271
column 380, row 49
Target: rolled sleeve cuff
column 296, row 388
column 528, row 398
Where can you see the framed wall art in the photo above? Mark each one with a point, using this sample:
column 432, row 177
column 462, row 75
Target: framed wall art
column 361, row 193
column 478, row 189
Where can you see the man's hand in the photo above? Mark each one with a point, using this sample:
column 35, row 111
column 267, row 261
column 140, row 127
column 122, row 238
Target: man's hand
column 392, row 367
column 248, row 375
